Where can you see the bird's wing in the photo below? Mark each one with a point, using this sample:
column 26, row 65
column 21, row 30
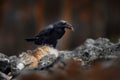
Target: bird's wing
column 45, row 32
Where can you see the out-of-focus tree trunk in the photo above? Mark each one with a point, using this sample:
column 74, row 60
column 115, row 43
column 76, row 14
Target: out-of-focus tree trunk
column 39, row 13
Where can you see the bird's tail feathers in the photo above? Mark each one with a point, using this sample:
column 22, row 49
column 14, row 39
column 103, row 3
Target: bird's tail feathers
column 30, row 39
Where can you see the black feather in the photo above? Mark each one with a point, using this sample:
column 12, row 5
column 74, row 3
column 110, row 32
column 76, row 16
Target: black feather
column 30, row 39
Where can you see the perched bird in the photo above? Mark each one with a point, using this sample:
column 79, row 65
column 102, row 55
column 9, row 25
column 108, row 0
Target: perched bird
column 51, row 34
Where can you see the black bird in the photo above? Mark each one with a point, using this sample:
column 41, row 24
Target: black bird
column 51, row 34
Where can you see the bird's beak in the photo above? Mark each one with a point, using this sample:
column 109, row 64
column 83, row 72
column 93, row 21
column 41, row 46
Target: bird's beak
column 70, row 27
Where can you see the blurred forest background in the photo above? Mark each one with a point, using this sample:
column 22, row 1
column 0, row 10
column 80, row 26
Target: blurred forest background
column 20, row 19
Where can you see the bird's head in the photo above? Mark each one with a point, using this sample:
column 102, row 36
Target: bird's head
column 64, row 24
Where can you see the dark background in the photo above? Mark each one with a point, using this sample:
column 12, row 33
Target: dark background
column 20, row 19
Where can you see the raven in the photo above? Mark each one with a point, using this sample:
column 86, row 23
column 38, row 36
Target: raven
column 51, row 34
